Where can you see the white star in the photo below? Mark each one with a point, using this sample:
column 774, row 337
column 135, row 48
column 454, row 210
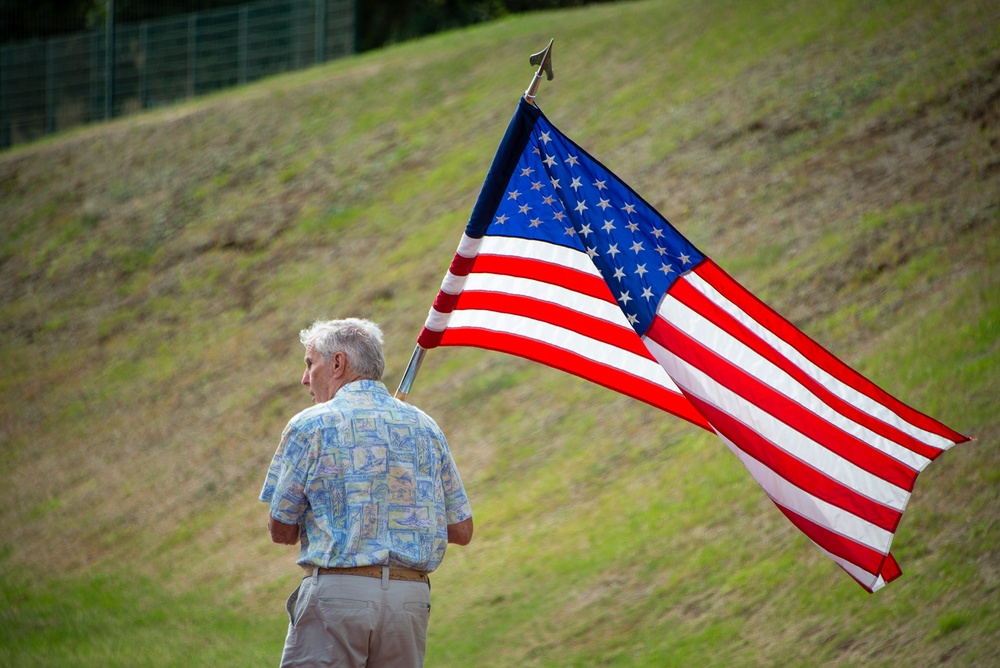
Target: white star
column 600, row 185
column 555, row 183
column 545, row 137
column 658, row 233
column 628, row 208
column 647, row 293
column 637, row 246
column 619, row 273
column 632, row 319
column 632, row 226
column 576, row 184
column 613, row 250
column 559, row 215
column 526, row 171
column 536, row 185
column 571, row 160
column 585, row 230
column 666, row 269
column 592, row 252
column 608, row 225
column 549, row 161
column 641, row 269
column 580, row 207
column 525, row 208
column 514, row 194
column 569, row 231
column 549, row 199
column 501, row 219
column 536, row 222
column 604, row 204
column 661, row 250
column 684, row 259
column 624, row 298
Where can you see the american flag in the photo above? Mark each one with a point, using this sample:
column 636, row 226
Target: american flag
column 563, row 263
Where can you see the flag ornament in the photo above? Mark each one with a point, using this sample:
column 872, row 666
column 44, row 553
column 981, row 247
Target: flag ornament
column 564, row 264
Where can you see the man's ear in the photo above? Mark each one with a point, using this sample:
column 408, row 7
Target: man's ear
column 339, row 363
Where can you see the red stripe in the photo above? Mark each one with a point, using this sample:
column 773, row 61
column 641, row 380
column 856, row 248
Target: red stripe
column 797, row 417
column 860, row 555
column 570, row 362
column 428, row 338
column 546, row 272
column 797, row 472
column 444, row 302
column 461, row 266
column 556, row 314
column 890, row 569
column 767, row 317
column 687, row 294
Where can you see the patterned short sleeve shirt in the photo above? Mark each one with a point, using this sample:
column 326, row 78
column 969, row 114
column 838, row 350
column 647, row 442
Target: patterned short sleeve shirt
column 369, row 479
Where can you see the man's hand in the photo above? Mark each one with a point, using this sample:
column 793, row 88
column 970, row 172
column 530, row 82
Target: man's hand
column 460, row 533
column 281, row 533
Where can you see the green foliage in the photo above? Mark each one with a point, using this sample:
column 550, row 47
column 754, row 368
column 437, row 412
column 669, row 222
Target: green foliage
column 838, row 159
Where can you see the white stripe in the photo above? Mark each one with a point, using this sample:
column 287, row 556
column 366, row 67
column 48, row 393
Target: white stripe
column 870, row 580
column 783, row 437
column 813, row 508
column 469, row 247
column 554, row 294
column 842, row 390
column 436, row 321
column 586, row 347
column 453, row 284
column 539, row 250
column 743, row 357
column 781, row 490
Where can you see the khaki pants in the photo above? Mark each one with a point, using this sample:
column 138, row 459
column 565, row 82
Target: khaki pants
column 356, row 621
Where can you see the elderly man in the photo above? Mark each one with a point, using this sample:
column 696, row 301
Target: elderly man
column 367, row 486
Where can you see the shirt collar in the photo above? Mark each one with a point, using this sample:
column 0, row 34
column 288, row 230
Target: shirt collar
column 363, row 386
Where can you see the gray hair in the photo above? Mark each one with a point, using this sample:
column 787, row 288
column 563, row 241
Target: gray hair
column 360, row 340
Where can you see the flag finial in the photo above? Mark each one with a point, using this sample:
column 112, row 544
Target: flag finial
column 543, row 60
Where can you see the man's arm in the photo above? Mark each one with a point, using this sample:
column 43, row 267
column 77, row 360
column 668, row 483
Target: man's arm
column 288, row 534
column 460, row 533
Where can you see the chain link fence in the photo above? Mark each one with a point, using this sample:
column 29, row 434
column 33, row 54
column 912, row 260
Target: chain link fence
column 51, row 85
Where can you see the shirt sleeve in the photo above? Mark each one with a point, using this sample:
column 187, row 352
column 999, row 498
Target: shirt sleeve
column 285, row 484
column 456, row 501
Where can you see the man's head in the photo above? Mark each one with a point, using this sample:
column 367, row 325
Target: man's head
column 339, row 352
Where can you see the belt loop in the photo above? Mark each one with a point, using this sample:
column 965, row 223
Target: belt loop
column 315, row 574
column 385, row 577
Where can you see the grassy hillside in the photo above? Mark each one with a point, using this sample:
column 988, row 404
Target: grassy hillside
column 842, row 161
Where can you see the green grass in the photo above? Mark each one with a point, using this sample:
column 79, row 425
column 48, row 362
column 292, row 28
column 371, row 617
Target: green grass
column 126, row 621
column 838, row 159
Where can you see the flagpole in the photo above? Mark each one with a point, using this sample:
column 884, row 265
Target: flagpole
column 543, row 59
column 411, row 372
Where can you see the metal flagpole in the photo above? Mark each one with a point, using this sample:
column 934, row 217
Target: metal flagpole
column 543, row 59
column 411, row 372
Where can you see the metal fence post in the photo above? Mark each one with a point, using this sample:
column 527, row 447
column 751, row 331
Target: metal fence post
column 192, row 87
column 5, row 133
column 50, row 86
column 109, row 62
column 320, row 47
column 241, row 57
column 143, row 75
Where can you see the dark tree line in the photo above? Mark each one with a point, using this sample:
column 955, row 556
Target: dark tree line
column 380, row 22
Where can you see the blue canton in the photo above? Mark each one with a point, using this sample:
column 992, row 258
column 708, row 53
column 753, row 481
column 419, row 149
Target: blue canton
column 559, row 194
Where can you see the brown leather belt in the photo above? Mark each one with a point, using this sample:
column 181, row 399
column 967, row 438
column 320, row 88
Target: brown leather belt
column 374, row 571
